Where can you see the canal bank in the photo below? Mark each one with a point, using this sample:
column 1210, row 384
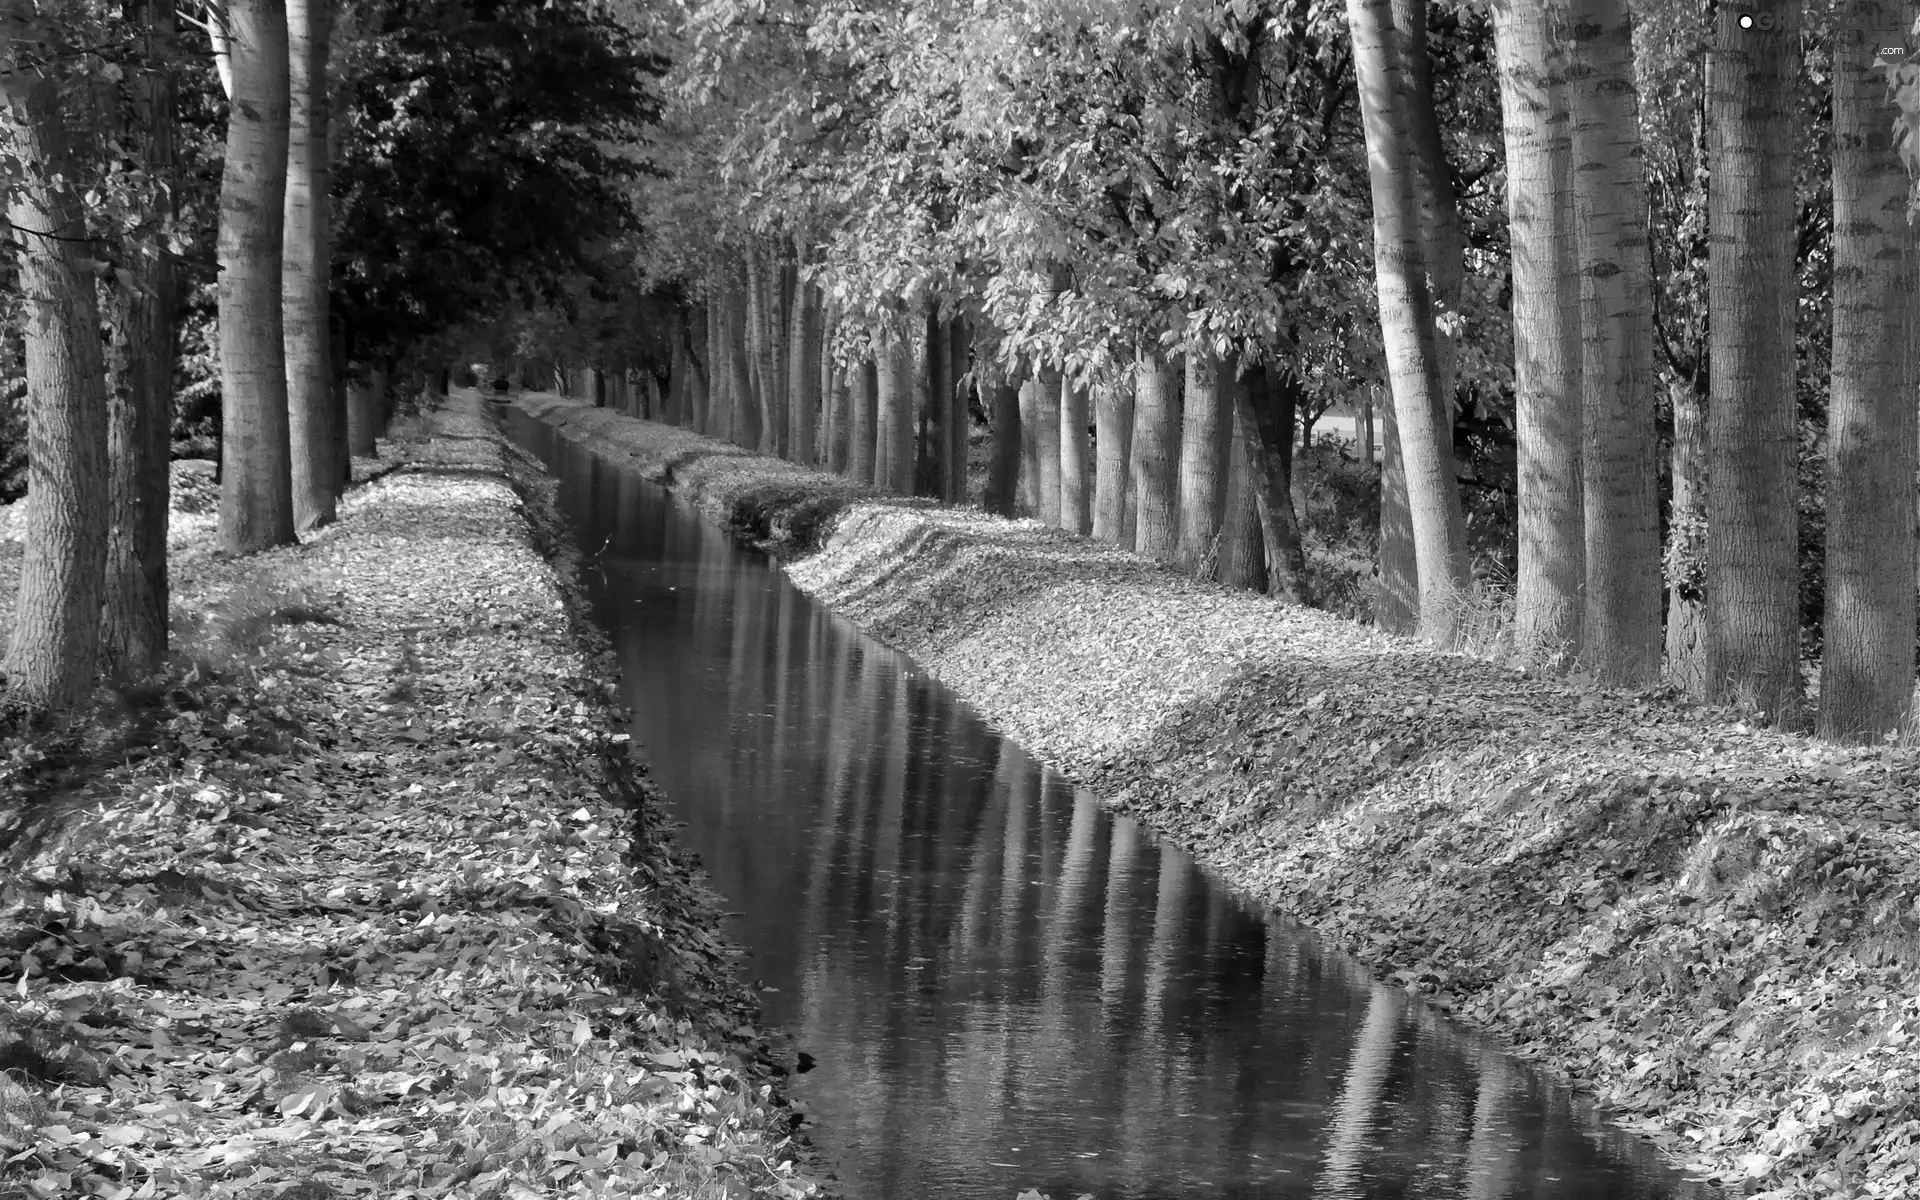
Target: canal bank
column 367, row 895
column 1710, row 927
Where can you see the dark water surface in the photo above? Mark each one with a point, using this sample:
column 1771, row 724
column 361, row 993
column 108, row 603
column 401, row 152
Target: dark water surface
column 1003, row 986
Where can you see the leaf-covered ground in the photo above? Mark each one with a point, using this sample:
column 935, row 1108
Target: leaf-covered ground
column 1714, row 928
column 366, row 899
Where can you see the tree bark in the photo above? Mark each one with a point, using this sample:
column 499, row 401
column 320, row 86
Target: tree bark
column 1076, row 466
column 1029, row 450
column 1156, row 456
column 1046, row 445
column 1396, row 598
column 1867, row 669
column 256, row 470
column 762, row 291
column 1003, row 468
column 1265, row 404
column 893, row 436
column 1113, row 445
column 1621, row 628
column 1243, row 557
column 52, row 655
column 714, row 413
column 961, row 424
column 1753, row 633
column 1546, row 331
column 803, row 390
column 865, row 380
column 311, row 411
column 1687, row 543
column 363, row 412
column 932, row 388
column 1406, row 310
column 744, row 428
column 140, row 358
column 1206, row 427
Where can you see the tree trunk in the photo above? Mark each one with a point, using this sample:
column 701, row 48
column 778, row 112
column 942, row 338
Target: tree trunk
column 1265, row 403
column 1866, row 673
column 1396, row 599
column 1243, row 558
column 311, row 411
column 1156, row 455
column 1445, row 238
column 803, row 391
column 762, row 359
column 1206, row 426
column 1621, row 629
column 1046, row 445
column 1753, row 633
column 861, row 453
column 1687, row 543
column 1076, row 454
column 1546, row 331
column 693, row 337
column 1113, row 444
column 140, row 358
column 930, row 374
column 715, row 412
column 1029, row 450
column 745, row 427
column 363, row 412
column 1406, row 309
column 256, row 470
column 56, row 625
column 961, row 423
column 1003, row 468
column 893, row 435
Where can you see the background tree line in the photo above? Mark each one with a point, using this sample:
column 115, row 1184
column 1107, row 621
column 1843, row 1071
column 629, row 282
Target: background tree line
column 1634, row 283
column 241, row 221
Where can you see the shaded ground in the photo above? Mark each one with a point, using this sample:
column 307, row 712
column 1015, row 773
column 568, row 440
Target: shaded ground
column 378, row 904
column 1714, row 928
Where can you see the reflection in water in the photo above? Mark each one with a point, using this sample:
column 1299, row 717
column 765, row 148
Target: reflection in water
column 1003, row 985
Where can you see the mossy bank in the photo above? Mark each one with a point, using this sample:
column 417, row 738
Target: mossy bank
column 1713, row 928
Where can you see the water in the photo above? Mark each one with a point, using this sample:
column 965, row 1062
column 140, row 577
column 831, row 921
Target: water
column 1003, row 986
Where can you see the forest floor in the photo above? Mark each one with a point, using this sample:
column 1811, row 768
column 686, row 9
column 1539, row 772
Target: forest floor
column 365, row 896
column 1713, row 928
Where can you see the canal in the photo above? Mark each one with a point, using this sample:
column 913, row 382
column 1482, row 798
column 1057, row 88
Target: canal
column 999, row 985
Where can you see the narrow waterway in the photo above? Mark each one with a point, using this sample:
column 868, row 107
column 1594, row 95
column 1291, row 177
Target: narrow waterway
column 1001, row 985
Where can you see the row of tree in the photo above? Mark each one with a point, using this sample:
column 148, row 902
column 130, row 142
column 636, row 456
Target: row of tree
column 480, row 158
column 1141, row 234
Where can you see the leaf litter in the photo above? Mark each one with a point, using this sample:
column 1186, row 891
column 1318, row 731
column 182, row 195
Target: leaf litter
column 1711, row 927
column 379, row 905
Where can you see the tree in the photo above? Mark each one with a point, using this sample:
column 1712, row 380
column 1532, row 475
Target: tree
column 1867, row 668
column 1003, row 467
column 1753, row 636
column 893, row 432
column 139, row 312
column 1206, row 426
column 52, row 655
column 1621, row 627
column 1406, row 317
column 1112, row 444
column 1076, row 454
column 1046, row 445
column 313, row 416
column 1156, row 456
column 1546, row 330
column 256, row 481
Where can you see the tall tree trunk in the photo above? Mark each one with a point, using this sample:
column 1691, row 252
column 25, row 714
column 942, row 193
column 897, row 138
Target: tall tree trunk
column 1621, row 629
column 1076, row 466
column 140, row 358
column 1753, row 633
column 1445, row 236
column 1687, row 543
column 1406, row 318
column 1046, row 445
column 1243, row 557
column 762, row 290
column 1029, row 450
column 803, row 390
column 1546, row 330
column 930, row 373
column 256, row 470
column 1003, row 468
column 1265, row 402
column 1206, row 426
column 311, row 410
column 1113, row 445
column 1396, row 598
column 745, row 424
column 961, row 423
column 893, row 436
column 693, row 338
column 1156, row 456
column 363, row 412
column 865, row 381
column 715, row 412
column 1866, row 674
column 56, row 626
